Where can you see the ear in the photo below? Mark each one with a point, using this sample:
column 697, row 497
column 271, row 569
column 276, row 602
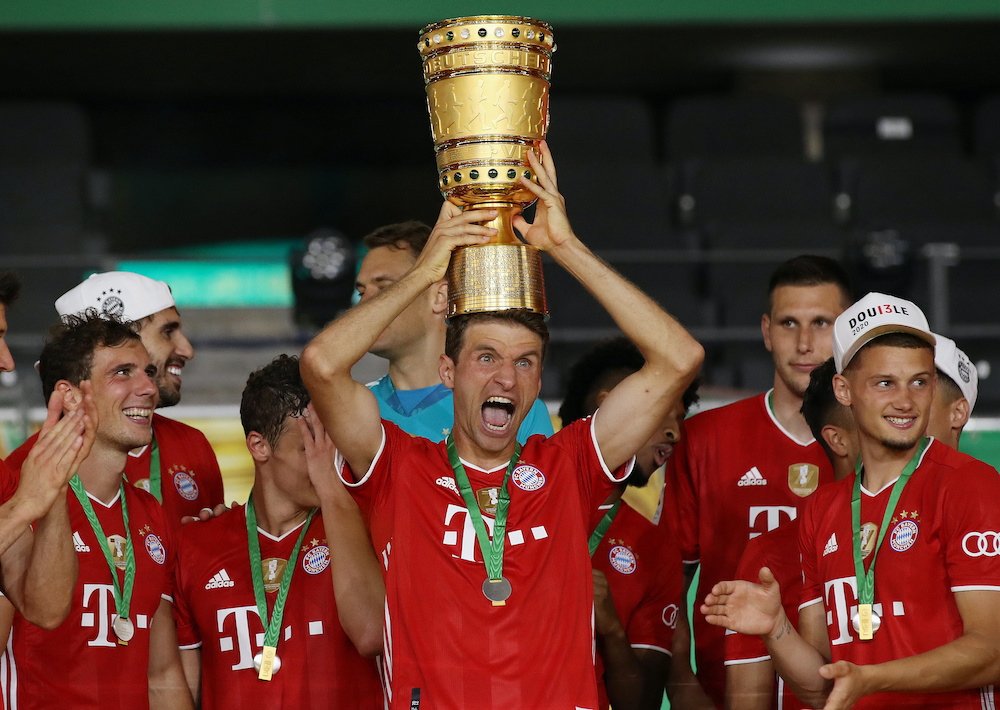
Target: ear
column 765, row 329
column 258, row 447
column 834, row 438
column 960, row 413
column 842, row 390
column 439, row 300
column 72, row 395
column 446, row 371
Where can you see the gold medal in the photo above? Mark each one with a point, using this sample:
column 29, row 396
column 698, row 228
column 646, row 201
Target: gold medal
column 267, row 663
column 864, row 625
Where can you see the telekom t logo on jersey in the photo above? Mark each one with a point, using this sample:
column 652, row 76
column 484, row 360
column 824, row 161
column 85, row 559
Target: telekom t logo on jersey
column 460, row 532
column 99, row 612
column 771, row 516
column 241, row 639
column 842, row 603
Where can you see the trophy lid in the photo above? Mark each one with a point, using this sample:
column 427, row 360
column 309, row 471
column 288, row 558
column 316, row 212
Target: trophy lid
column 486, row 28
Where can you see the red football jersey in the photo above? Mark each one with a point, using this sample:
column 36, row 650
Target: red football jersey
column 80, row 664
column 8, row 482
column 646, row 579
column 446, row 645
column 216, row 611
column 941, row 541
column 190, row 478
column 778, row 550
column 737, row 473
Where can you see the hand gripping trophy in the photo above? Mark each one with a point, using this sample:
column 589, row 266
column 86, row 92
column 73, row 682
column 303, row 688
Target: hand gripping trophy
column 487, row 81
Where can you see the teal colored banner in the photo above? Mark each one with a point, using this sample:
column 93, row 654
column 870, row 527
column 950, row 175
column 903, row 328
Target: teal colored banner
column 220, row 283
column 323, row 14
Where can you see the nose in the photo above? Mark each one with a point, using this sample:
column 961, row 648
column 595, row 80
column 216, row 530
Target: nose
column 144, row 385
column 672, row 428
column 505, row 373
column 183, row 346
column 805, row 341
column 6, row 359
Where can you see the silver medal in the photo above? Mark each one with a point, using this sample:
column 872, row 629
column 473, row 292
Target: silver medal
column 497, row 590
column 856, row 621
column 259, row 658
column 124, row 629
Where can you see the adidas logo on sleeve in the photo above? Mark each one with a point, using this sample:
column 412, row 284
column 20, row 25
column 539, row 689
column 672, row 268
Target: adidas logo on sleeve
column 221, row 579
column 752, row 477
column 831, row 545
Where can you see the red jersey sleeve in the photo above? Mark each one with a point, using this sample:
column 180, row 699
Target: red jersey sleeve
column 8, row 483
column 188, row 634
column 745, row 648
column 969, row 518
column 681, row 498
column 812, row 585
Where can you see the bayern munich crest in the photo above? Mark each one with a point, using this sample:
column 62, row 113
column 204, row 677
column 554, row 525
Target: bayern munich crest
column 185, row 485
column 528, row 478
column 155, row 549
column 622, row 559
column 316, row 560
column 903, row 536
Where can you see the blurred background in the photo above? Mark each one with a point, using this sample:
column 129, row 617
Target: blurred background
column 240, row 150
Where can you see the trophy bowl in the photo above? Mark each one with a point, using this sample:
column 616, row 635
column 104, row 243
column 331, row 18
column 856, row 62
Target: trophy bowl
column 487, row 80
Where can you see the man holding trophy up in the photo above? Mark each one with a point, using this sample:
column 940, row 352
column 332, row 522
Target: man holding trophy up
column 483, row 544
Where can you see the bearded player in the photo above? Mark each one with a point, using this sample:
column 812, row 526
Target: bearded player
column 178, row 466
column 638, row 576
column 515, row 631
column 277, row 540
column 745, row 468
column 118, row 647
column 915, row 511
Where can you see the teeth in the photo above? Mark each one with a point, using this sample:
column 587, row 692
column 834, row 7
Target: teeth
column 899, row 420
column 174, row 370
column 499, row 400
column 138, row 413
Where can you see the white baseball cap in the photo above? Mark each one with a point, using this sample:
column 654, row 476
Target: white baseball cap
column 874, row 315
column 122, row 294
column 956, row 364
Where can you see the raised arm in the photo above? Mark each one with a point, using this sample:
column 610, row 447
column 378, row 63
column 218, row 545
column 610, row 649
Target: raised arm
column 357, row 578
column 348, row 410
column 633, row 410
column 39, row 567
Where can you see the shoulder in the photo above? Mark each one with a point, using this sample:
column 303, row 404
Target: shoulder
column 18, row 455
column 177, row 429
column 948, row 461
column 739, row 411
column 218, row 529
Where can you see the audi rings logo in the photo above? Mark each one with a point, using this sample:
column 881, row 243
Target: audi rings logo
column 982, row 544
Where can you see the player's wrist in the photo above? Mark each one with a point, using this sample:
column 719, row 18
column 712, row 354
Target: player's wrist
column 781, row 627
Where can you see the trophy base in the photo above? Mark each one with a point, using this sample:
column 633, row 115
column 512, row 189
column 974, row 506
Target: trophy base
column 495, row 277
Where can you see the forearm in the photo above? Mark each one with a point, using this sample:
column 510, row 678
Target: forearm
column 45, row 593
column 624, row 679
column 798, row 662
column 683, row 687
column 358, row 586
column 970, row 661
column 749, row 686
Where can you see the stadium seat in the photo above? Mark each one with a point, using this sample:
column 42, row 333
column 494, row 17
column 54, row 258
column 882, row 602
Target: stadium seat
column 896, row 124
column 728, row 126
column 591, row 125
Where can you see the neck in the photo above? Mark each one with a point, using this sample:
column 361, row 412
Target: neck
column 418, row 368
column 616, row 495
column 276, row 514
column 786, row 405
column 882, row 465
column 101, row 472
column 479, row 457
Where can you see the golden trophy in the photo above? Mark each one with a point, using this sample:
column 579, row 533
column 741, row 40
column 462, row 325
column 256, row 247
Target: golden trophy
column 487, row 81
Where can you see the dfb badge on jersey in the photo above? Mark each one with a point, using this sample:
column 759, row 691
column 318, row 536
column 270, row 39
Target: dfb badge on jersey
column 527, row 478
column 143, row 483
column 184, row 483
column 869, row 534
column 273, row 569
column 488, row 498
column 803, row 478
column 117, row 545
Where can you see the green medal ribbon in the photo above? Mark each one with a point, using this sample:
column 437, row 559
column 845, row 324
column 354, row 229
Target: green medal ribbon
column 123, row 594
column 866, row 581
column 154, row 471
column 602, row 528
column 273, row 626
column 492, row 549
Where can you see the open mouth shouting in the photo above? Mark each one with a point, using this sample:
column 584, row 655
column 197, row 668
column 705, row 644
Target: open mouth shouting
column 498, row 413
